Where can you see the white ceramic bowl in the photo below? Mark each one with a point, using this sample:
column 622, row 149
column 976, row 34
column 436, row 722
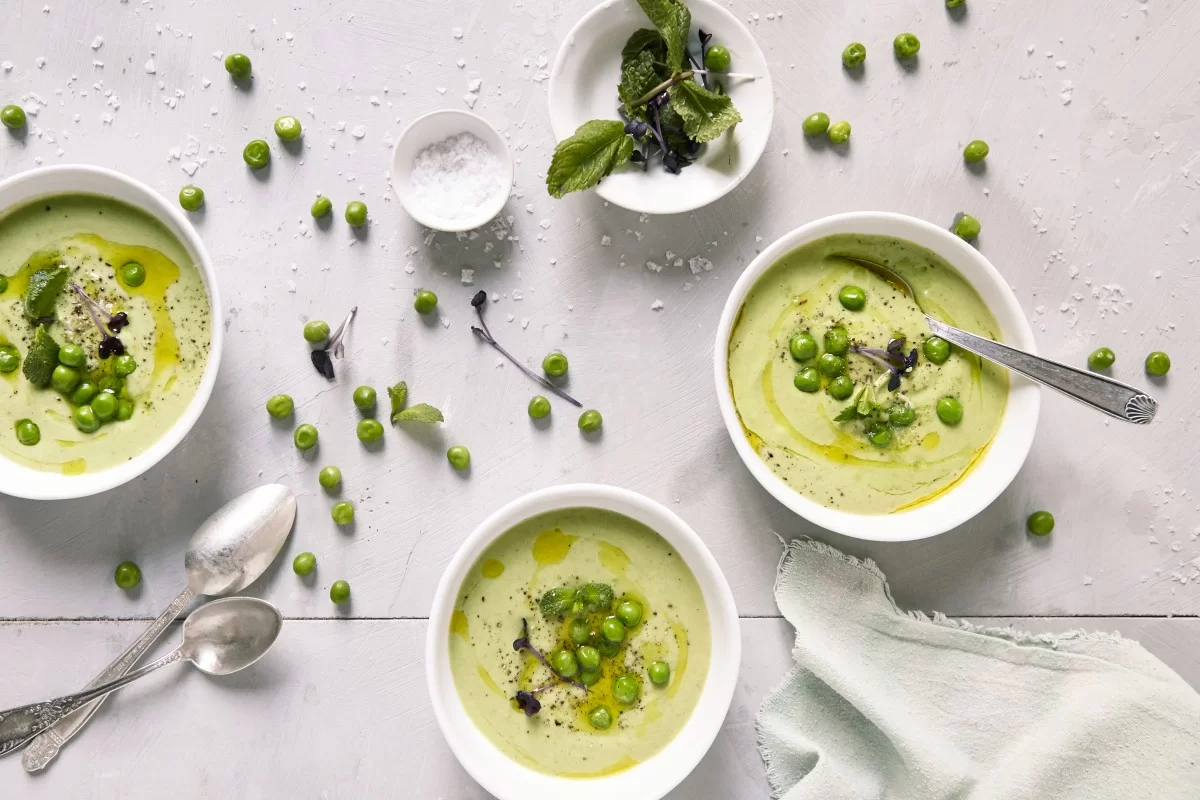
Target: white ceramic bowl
column 1009, row 448
column 660, row 773
column 432, row 128
column 21, row 481
column 583, row 86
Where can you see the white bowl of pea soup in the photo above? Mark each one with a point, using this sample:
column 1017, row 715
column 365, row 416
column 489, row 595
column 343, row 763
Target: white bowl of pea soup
column 109, row 330
column 582, row 643
column 841, row 402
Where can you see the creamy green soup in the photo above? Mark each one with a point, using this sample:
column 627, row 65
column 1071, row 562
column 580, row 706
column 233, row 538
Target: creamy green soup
column 562, row 548
column 833, row 462
column 168, row 334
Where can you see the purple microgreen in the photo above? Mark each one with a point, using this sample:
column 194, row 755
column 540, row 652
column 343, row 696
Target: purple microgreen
column 893, row 359
column 479, row 301
column 110, row 345
column 705, row 38
column 528, row 703
column 321, row 357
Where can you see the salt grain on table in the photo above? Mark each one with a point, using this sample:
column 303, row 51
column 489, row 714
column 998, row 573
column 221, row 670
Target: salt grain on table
column 456, row 177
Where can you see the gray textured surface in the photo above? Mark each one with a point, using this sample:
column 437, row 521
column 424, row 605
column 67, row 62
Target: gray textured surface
column 1089, row 208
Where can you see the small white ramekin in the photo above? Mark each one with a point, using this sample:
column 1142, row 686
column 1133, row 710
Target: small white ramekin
column 1002, row 460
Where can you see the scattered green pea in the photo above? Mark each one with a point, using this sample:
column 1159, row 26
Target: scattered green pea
column 831, row 365
column 280, row 406
column 589, row 657
column 854, row 55
column 86, row 419
column 613, row 630
column 659, row 672
column 589, row 677
column 936, row 349
column 815, row 124
column 369, row 430
column 802, row 346
column 967, row 227
column 127, row 575
column 975, row 151
column 841, row 387
column 879, row 435
column 459, row 457
column 954, row 3
column 950, row 410
column 902, row 415
column 84, row 393
column 629, row 612
column 321, row 206
column 305, row 437
column 364, row 398
column 579, row 631
column 425, row 302
column 539, row 407
column 839, row 132
column 564, row 663
column 1040, row 523
column 600, row 718
column 339, row 592
column 64, row 379
column 71, row 355
column 329, row 477
column 133, row 274
column 304, row 564
column 316, row 331
column 555, row 365
column 1101, row 358
column 837, row 341
column 625, row 689
column 906, row 45
column 257, row 154
column 12, row 116
column 238, row 65
column 608, row 649
column 342, row 512
column 111, row 383
column 124, row 409
column 124, row 365
column 356, row 213
column 287, row 128
column 105, row 406
column 191, row 198
column 590, row 421
column 807, row 380
column 10, row 359
column 3, row 284
column 717, row 58
column 28, row 433
column 1158, row 363
column 852, row 298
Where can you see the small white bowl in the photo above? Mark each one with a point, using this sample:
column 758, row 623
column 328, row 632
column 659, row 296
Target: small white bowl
column 20, row 481
column 1001, row 461
column 430, row 129
column 660, row 773
column 583, row 86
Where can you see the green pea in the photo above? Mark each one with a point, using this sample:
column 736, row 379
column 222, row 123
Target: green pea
column 238, row 65
column 280, row 406
column 124, row 365
column 629, row 612
column 600, row 718
column 3, row 284
column 339, row 592
column 191, row 198
column 1040, row 523
column 369, row 430
column 459, row 457
column 815, row 124
column 906, row 45
column 902, row 415
column 539, row 407
column 625, row 689
column 86, row 419
column 28, row 433
column 257, row 154
column 364, row 398
column 124, row 409
column 852, row 298
column 807, row 380
column 837, row 341
column 839, row 132
column 936, row 349
column 803, row 346
column 589, row 657
column 831, row 365
column 111, row 383
column 84, row 393
column 304, row 564
column 854, row 55
column 967, row 227
column 564, row 663
column 305, row 437
column 840, row 387
column 105, row 406
column 555, row 365
column 879, row 435
column 613, row 630
column 133, row 274
column 342, row 512
column 71, row 355
column 287, row 128
column 608, row 649
column 329, row 477
column 321, row 206
column 10, row 359
column 579, row 631
column 12, row 116
column 1158, row 363
column 425, row 302
column 954, row 3
column 64, row 379
column 316, row 331
column 590, row 421
column 975, row 151
column 589, row 677
column 127, row 575
column 950, row 410
column 717, row 58
column 659, row 672
column 356, row 213
column 1102, row 358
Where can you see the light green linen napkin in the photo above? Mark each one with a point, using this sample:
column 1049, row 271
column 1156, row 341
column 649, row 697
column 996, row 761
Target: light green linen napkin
column 888, row 704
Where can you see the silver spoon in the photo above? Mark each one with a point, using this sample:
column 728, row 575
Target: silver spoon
column 228, row 552
column 220, row 638
column 1102, row 393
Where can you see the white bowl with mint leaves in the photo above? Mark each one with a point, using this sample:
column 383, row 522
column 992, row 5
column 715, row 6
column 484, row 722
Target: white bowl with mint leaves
column 648, row 136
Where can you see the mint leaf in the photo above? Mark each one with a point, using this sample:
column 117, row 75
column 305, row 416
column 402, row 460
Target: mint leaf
column 421, row 412
column 645, row 39
column 45, row 286
column 399, row 396
column 556, row 603
column 41, row 359
column 673, row 21
column 706, row 114
column 638, row 76
column 848, row 414
column 865, row 402
column 581, row 160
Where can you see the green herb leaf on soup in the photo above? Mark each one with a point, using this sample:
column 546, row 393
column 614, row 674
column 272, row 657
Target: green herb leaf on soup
column 41, row 359
column 673, row 20
column 596, row 596
column 705, row 114
column 556, row 603
column 398, row 394
column 421, row 412
column 590, row 154
column 45, row 285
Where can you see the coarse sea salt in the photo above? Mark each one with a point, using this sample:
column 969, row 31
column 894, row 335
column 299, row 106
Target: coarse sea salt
column 456, row 177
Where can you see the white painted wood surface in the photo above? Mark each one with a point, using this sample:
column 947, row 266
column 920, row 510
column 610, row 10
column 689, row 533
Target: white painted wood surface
column 1089, row 207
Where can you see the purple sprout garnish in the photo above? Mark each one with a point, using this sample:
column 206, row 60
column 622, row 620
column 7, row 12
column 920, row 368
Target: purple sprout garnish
column 479, row 301
column 705, row 38
column 893, row 359
column 321, row 358
column 110, row 345
column 527, row 701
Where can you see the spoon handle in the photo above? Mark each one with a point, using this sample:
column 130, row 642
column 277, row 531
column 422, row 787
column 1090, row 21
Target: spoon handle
column 45, row 748
column 19, row 725
column 1098, row 391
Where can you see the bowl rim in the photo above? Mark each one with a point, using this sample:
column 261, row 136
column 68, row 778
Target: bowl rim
column 685, row 203
column 1008, row 449
column 399, row 180
column 53, row 486
column 658, row 774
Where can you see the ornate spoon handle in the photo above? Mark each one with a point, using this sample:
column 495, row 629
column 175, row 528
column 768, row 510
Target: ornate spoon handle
column 1101, row 393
